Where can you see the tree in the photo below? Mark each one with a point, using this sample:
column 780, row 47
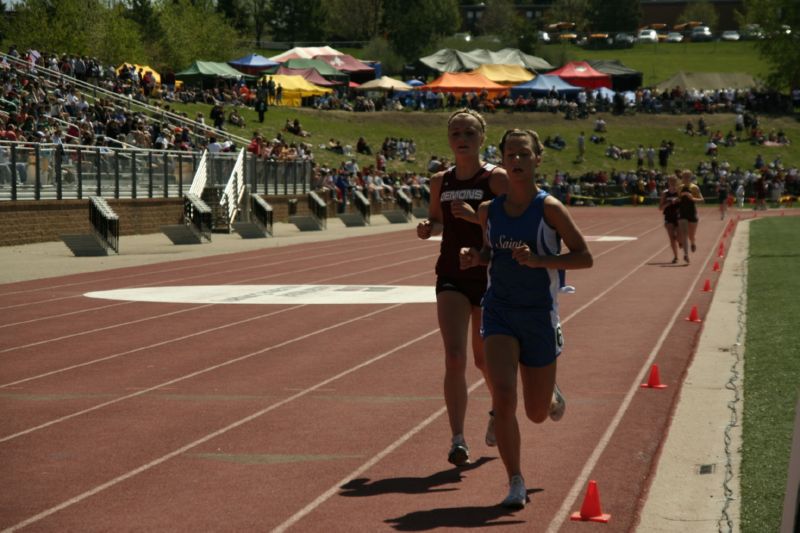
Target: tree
column 235, row 13
column 781, row 49
column 499, row 18
column 190, row 32
column 570, row 11
column 353, row 20
column 700, row 10
column 415, row 25
column 259, row 9
column 615, row 15
column 295, row 21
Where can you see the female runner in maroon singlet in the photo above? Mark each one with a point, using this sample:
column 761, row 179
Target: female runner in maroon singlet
column 456, row 194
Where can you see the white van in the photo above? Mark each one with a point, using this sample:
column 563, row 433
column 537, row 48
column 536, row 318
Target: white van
column 647, row 36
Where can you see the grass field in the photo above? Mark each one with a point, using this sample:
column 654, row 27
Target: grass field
column 428, row 129
column 771, row 370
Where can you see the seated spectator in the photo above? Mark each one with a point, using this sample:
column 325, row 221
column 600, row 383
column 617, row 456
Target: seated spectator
column 236, row 118
column 295, row 128
column 556, row 143
column 335, row 146
column 362, row 147
column 711, row 147
column 689, row 129
column 600, row 125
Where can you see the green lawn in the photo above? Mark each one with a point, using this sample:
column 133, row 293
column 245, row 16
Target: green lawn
column 428, row 129
column 771, row 370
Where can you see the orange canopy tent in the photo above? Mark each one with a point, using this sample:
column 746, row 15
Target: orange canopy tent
column 461, row 82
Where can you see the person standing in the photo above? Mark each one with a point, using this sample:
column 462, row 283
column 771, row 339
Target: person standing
column 456, row 193
column 689, row 196
column 723, row 190
column 669, row 207
column 581, row 147
column 523, row 230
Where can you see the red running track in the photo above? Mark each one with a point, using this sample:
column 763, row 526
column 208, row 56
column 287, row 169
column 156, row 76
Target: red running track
column 122, row 416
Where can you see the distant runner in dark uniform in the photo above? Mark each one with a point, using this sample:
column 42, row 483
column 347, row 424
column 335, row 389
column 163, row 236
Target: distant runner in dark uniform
column 456, row 194
column 669, row 206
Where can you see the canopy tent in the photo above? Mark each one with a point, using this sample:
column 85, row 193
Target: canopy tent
column 305, row 52
column 309, row 74
column 449, row 60
column 142, row 69
column 622, row 78
column 708, row 81
column 252, row 64
column 461, row 82
column 542, row 84
column 295, row 88
column 201, row 72
column 325, row 70
column 415, row 83
column 384, row 83
column 581, row 74
column 349, row 65
column 505, row 74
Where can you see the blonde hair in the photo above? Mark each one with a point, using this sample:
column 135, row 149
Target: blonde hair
column 538, row 147
column 469, row 112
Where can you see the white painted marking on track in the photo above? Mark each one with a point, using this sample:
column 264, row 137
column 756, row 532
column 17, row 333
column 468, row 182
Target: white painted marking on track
column 275, row 294
column 608, row 238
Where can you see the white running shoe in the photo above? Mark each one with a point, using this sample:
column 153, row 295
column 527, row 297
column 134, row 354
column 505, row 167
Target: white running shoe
column 459, row 454
column 517, row 494
column 567, row 289
column 491, row 440
column 559, row 406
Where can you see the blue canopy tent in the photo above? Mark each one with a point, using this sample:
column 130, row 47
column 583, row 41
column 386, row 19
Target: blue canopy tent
column 542, row 85
column 253, row 64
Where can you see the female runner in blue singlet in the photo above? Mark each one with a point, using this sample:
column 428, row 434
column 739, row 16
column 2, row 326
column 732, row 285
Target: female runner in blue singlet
column 455, row 195
column 523, row 230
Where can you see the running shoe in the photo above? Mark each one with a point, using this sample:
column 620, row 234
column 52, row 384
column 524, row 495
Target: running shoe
column 694, row 248
column 517, row 494
column 558, row 408
column 686, row 258
column 459, row 454
column 674, row 260
column 567, row 289
column 491, row 440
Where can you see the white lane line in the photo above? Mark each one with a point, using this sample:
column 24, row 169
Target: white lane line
column 196, row 373
column 208, row 437
column 376, row 458
column 153, row 317
column 206, row 272
column 271, row 253
column 591, row 462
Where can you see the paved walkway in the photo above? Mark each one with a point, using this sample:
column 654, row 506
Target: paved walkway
column 695, row 469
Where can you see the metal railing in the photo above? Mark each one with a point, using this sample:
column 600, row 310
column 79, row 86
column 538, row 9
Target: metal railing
column 66, row 171
column 105, row 222
column 234, row 190
column 362, row 204
column 318, row 209
column 404, row 202
column 261, row 212
column 197, row 215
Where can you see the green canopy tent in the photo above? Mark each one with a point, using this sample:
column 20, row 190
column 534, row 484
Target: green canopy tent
column 204, row 73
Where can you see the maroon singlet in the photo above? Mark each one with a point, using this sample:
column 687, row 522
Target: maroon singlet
column 459, row 233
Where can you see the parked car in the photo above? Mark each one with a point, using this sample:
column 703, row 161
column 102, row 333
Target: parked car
column 543, row 37
column 752, row 32
column 674, row 37
column 730, row 35
column 647, row 36
column 624, row 40
column 702, row 34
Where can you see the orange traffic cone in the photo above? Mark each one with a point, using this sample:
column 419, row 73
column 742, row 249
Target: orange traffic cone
column 693, row 315
column 654, row 381
column 707, row 286
column 716, row 267
column 590, row 509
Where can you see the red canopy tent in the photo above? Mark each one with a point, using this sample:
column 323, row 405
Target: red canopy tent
column 349, row 64
column 581, row 74
column 309, row 74
column 461, row 82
